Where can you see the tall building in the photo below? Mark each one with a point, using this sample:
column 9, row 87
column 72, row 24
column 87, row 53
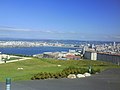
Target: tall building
column 114, row 44
column 93, row 45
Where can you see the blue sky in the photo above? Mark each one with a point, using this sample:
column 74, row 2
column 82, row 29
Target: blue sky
column 60, row 19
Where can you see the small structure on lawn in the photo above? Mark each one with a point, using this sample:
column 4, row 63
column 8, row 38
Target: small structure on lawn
column 4, row 57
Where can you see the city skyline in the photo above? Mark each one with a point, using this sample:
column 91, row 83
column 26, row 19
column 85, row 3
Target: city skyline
column 60, row 19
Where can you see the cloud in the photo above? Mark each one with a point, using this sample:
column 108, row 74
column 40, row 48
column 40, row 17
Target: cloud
column 13, row 29
column 111, row 36
column 116, row 36
column 21, row 32
column 5, row 26
column 4, row 34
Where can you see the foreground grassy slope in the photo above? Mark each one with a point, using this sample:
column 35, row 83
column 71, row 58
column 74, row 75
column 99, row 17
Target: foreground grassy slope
column 33, row 66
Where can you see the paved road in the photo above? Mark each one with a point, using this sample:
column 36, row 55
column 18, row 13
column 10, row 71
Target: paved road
column 107, row 80
column 22, row 58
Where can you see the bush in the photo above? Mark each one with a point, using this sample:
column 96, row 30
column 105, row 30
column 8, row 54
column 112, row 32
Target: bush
column 93, row 71
column 74, row 70
column 65, row 72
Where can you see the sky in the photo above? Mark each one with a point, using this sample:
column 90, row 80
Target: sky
column 97, row 20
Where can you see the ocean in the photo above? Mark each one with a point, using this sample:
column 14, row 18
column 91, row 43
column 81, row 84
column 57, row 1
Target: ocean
column 33, row 50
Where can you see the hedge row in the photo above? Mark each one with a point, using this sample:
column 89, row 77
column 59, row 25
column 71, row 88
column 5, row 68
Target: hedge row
column 63, row 74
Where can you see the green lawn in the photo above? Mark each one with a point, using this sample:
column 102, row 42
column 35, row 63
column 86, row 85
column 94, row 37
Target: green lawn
column 33, row 66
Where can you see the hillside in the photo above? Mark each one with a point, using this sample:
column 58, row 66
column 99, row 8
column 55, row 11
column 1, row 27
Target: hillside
column 24, row 70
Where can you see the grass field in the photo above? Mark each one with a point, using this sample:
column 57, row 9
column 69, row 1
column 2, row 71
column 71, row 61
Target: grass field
column 34, row 65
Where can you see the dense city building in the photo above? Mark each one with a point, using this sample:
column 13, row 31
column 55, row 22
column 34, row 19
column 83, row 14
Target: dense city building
column 94, row 51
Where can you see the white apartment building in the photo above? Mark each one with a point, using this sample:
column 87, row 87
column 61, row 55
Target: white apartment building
column 90, row 55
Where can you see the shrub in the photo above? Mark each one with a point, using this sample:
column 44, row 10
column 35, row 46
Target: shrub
column 93, row 71
column 65, row 72
column 74, row 70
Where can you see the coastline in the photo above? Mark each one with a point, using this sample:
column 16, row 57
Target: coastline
column 39, row 46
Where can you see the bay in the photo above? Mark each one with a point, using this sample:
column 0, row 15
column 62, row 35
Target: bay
column 33, row 50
